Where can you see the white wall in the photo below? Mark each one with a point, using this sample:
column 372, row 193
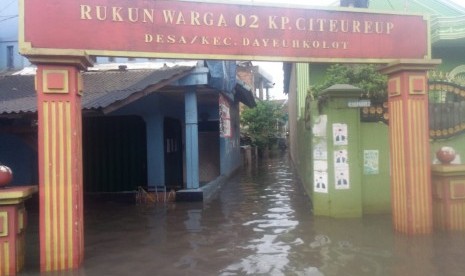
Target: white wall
column 9, row 34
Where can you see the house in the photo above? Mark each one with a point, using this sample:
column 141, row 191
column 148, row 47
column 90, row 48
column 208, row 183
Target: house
column 134, row 126
column 174, row 127
column 142, row 98
column 257, row 78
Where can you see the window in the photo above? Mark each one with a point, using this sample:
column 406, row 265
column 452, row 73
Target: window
column 10, row 64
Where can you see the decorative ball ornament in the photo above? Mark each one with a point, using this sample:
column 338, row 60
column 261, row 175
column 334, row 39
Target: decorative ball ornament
column 446, row 155
column 6, row 175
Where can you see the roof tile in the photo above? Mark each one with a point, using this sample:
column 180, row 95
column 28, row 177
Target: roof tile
column 101, row 88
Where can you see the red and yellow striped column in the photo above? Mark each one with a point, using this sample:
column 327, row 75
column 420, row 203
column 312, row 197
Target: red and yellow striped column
column 13, row 220
column 410, row 149
column 60, row 167
column 11, row 241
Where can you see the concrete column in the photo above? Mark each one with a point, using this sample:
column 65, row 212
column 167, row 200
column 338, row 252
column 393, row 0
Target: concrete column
column 341, row 196
column 155, row 160
column 192, row 139
column 13, row 222
column 410, row 149
column 260, row 89
column 59, row 90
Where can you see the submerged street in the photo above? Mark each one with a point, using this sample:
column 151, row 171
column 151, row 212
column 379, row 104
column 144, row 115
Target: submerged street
column 260, row 223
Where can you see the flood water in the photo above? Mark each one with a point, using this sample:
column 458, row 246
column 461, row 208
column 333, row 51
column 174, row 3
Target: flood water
column 260, row 223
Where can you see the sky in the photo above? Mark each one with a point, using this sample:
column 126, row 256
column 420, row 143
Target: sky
column 276, row 68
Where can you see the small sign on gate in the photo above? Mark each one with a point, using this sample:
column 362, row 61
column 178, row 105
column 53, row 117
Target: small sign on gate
column 359, row 103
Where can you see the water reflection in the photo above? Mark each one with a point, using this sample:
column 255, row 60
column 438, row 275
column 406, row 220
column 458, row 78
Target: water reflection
column 260, row 223
column 273, row 222
column 193, row 220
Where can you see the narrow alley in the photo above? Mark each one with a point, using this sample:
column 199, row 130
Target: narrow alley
column 260, row 223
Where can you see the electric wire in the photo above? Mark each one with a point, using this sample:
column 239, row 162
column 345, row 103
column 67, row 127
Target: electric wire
column 8, row 18
column 7, row 5
column 390, row 4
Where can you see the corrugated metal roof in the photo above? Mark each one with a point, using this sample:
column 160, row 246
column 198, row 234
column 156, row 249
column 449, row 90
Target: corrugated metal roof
column 101, row 88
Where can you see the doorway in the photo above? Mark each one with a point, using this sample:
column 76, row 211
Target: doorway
column 172, row 137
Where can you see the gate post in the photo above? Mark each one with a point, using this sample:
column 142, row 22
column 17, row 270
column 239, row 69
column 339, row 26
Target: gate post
column 59, row 88
column 409, row 145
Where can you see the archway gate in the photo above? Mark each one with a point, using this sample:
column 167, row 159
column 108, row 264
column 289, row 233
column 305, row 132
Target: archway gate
column 60, row 37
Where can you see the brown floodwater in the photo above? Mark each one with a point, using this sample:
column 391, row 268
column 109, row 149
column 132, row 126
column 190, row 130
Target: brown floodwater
column 259, row 223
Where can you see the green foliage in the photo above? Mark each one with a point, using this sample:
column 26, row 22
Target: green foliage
column 260, row 123
column 364, row 76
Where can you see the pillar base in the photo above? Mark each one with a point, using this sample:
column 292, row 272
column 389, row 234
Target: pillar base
column 448, row 182
column 13, row 227
column 194, row 195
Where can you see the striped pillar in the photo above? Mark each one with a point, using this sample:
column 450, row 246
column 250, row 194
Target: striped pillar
column 13, row 221
column 11, row 238
column 410, row 149
column 60, row 167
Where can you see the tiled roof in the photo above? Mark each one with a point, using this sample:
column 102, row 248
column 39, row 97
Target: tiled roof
column 17, row 94
column 244, row 93
column 101, row 88
column 122, row 84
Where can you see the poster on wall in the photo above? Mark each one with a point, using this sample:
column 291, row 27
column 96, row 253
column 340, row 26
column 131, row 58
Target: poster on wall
column 320, row 182
column 340, row 158
column 340, row 134
column 225, row 129
column 225, row 119
column 320, row 151
column 370, row 162
column 320, row 162
column 319, row 126
column 342, row 178
column 320, row 165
